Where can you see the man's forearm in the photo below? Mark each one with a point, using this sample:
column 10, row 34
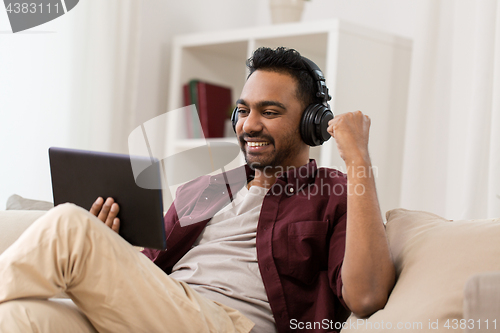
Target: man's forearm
column 368, row 271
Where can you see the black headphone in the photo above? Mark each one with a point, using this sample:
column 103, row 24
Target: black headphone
column 314, row 122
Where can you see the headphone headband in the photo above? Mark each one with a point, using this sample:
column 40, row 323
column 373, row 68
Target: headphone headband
column 319, row 79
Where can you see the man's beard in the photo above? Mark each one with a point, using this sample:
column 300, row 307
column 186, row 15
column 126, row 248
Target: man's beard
column 274, row 158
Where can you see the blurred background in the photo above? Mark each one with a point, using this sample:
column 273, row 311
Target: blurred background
column 88, row 78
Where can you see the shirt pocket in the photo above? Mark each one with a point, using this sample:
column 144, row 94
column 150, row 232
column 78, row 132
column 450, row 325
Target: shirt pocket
column 307, row 249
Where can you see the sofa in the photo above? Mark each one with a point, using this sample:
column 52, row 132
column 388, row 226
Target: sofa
column 448, row 276
column 448, row 272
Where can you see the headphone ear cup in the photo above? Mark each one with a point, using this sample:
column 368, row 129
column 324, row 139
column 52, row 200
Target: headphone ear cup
column 234, row 118
column 314, row 124
column 307, row 123
column 322, row 127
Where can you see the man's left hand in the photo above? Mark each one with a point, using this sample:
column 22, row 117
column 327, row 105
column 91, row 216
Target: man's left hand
column 350, row 131
column 106, row 211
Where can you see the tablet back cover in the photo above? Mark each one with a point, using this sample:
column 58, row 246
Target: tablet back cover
column 80, row 177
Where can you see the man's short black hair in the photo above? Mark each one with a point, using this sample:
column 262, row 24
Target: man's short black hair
column 288, row 61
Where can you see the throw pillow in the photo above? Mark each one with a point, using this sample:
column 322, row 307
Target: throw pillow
column 434, row 258
column 17, row 202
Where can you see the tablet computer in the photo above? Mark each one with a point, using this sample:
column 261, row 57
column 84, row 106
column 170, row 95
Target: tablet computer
column 80, row 177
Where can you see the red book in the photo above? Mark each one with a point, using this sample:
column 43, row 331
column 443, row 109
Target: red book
column 214, row 107
column 187, row 101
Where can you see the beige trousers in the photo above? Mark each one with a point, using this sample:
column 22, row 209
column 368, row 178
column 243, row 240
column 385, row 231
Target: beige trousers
column 115, row 288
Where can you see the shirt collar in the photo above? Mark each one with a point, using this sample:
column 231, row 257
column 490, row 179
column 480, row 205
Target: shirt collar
column 301, row 176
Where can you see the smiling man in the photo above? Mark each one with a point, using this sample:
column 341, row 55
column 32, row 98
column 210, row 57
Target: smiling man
column 270, row 111
column 287, row 247
column 301, row 245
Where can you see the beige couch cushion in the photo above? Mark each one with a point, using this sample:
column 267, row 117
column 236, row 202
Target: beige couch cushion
column 13, row 223
column 434, row 258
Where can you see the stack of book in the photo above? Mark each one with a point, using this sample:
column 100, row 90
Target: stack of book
column 214, row 105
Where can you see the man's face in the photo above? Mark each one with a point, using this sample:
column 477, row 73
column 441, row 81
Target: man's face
column 268, row 121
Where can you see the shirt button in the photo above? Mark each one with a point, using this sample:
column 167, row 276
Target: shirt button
column 223, row 192
column 206, row 198
column 291, row 190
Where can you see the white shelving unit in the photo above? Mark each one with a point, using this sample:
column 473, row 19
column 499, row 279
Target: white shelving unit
column 365, row 70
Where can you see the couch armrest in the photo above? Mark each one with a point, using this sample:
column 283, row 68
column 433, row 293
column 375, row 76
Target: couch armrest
column 13, row 223
column 481, row 302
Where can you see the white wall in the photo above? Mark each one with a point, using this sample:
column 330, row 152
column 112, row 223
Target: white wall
column 34, row 97
column 37, row 69
column 399, row 17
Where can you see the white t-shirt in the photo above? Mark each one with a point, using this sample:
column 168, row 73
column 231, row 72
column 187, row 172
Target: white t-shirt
column 222, row 265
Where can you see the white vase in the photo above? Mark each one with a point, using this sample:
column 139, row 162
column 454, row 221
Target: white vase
column 284, row 11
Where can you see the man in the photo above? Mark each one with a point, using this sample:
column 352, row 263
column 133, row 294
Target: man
column 296, row 246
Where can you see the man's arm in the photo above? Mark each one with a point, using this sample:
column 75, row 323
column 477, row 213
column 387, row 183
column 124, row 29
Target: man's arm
column 368, row 272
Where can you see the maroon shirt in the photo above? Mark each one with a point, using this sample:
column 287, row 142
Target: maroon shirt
column 300, row 239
